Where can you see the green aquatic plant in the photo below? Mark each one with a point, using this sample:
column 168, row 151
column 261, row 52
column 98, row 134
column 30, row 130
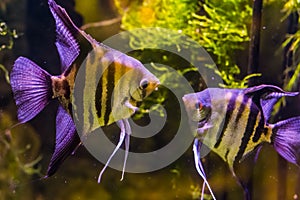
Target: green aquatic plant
column 6, row 74
column 292, row 46
column 290, row 6
column 19, row 144
column 19, row 157
column 5, row 31
column 8, row 36
column 222, row 32
column 209, row 23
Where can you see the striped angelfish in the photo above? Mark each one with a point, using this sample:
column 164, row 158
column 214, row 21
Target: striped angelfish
column 234, row 122
column 111, row 86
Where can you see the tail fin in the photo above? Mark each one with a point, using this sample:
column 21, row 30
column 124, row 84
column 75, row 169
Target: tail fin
column 287, row 139
column 31, row 86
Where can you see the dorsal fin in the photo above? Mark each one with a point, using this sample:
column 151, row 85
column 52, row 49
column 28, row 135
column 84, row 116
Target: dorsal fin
column 67, row 36
column 265, row 96
column 66, row 32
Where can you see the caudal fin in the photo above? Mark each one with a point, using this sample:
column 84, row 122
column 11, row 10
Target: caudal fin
column 31, row 86
column 287, row 139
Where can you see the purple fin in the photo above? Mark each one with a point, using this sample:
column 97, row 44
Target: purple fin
column 66, row 140
column 66, row 32
column 31, row 86
column 287, row 139
column 265, row 96
column 257, row 153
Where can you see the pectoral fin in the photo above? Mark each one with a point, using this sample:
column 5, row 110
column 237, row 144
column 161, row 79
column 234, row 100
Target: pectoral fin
column 130, row 106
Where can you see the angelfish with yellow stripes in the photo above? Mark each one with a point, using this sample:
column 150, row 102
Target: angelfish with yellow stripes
column 114, row 83
column 234, row 122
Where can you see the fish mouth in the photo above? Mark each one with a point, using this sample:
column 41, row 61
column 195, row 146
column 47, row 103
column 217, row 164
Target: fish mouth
column 202, row 122
column 132, row 99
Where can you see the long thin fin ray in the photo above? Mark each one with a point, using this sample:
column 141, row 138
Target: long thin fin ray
column 199, row 167
column 127, row 144
column 121, row 140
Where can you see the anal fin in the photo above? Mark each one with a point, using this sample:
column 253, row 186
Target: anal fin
column 67, row 140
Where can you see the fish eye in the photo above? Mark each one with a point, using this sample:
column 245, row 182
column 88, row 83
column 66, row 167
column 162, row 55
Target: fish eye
column 199, row 106
column 144, row 84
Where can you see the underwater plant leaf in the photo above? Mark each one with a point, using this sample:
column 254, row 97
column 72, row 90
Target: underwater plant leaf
column 6, row 74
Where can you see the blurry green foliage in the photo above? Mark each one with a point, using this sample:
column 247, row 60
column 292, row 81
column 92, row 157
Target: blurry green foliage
column 170, row 14
column 7, row 37
column 19, row 155
column 6, row 74
column 218, row 26
column 222, row 30
column 290, row 6
column 292, row 42
column 19, row 144
column 10, row 35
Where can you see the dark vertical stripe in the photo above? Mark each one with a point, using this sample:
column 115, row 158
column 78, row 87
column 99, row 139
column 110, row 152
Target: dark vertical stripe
column 99, row 88
column 229, row 111
column 248, row 131
column 240, row 111
column 259, row 130
column 98, row 98
column 110, row 88
column 226, row 154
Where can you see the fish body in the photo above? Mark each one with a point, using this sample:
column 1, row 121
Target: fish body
column 234, row 122
column 119, row 82
column 112, row 85
column 234, row 125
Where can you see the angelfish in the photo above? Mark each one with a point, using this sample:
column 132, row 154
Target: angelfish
column 124, row 81
column 234, row 122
